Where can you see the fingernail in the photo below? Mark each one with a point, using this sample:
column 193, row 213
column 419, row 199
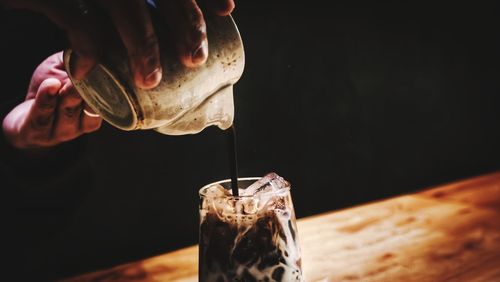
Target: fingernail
column 152, row 79
column 151, row 71
column 199, row 55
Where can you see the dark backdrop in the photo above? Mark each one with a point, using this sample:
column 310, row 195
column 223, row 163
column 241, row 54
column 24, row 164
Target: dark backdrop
column 351, row 103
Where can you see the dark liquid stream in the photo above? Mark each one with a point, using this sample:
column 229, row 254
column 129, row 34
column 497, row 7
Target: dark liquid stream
column 233, row 161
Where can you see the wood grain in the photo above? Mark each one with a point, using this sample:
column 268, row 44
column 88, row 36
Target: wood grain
column 448, row 233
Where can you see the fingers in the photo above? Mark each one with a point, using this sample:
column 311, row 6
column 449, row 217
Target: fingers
column 30, row 123
column 41, row 115
column 53, row 67
column 90, row 123
column 219, row 7
column 69, row 111
column 133, row 22
column 189, row 30
column 82, row 27
column 56, row 116
column 71, row 121
column 52, row 113
column 85, row 54
column 86, row 25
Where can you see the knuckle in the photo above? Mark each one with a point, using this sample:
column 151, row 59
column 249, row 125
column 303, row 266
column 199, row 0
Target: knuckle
column 194, row 20
column 197, row 34
column 194, row 15
column 46, row 105
column 147, row 47
column 71, row 112
column 41, row 123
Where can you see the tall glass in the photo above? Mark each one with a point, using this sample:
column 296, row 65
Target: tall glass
column 250, row 237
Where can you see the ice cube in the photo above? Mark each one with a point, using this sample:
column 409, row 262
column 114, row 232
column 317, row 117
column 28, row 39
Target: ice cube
column 270, row 182
column 250, row 206
column 216, row 191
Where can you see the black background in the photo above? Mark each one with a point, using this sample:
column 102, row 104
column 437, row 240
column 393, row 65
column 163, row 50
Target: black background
column 351, row 103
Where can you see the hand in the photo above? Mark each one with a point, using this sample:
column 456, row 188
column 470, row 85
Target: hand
column 87, row 28
column 52, row 112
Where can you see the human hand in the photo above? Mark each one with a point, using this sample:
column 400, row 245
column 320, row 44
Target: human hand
column 52, row 112
column 88, row 28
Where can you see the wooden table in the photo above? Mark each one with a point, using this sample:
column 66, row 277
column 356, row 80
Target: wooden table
column 448, row 233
